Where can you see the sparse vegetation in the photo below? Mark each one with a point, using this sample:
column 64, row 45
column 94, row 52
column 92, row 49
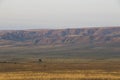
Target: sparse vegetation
column 62, row 75
column 61, row 69
column 76, row 62
column 39, row 60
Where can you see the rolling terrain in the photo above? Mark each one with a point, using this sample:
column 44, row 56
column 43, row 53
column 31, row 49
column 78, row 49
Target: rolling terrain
column 88, row 43
column 60, row 36
column 60, row 54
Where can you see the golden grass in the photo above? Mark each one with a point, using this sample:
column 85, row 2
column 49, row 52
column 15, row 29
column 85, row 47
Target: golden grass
column 61, row 75
column 59, row 69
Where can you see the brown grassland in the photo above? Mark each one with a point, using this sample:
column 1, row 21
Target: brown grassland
column 60, row 63
column 58, row 69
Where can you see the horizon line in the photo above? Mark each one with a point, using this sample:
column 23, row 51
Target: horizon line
column 58, row 28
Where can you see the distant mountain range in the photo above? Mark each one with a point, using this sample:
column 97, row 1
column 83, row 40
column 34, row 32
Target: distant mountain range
column 60, row 36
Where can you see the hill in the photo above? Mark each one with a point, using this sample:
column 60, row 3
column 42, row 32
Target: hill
column 60, row 36
column 84, row 43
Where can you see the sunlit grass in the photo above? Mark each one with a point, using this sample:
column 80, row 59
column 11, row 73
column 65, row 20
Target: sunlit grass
column 61, row 75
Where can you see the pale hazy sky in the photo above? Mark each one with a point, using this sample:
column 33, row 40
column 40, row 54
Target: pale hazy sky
column 58, row 13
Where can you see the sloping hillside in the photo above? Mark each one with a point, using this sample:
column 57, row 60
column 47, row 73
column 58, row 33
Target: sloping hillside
column 60, row 36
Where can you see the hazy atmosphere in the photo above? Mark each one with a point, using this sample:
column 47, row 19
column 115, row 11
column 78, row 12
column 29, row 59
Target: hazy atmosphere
column 33, row 14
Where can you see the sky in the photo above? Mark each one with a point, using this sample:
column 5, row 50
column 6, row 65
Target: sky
column 34, row 14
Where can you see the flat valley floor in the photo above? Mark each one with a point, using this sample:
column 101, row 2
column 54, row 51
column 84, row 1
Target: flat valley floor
column 89, row 62
column 61, row 69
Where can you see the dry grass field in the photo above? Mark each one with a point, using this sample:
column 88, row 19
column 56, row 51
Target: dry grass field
column 61, row 75
column 61, row 70
column 60, row 63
